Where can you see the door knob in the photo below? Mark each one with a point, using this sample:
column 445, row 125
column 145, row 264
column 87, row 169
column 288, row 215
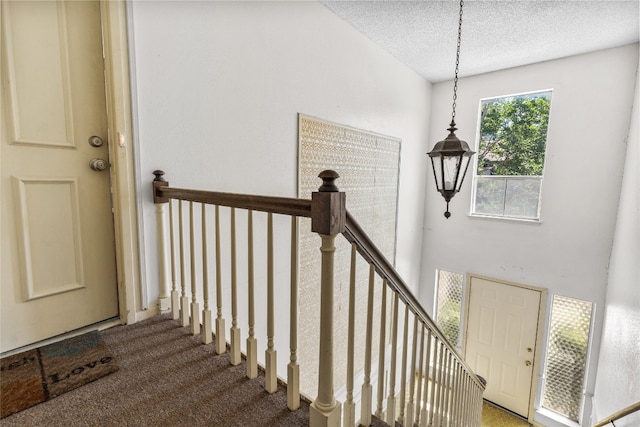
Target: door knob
column 528, row 363
column 98, row 164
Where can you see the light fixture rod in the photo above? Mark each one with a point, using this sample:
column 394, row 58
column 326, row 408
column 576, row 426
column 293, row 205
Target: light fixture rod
column 455, row 80
column 451, row 152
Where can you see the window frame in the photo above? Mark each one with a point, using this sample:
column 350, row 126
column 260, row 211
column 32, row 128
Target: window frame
column 474, row 181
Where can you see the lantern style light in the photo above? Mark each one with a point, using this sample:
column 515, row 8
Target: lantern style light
column 450, row 157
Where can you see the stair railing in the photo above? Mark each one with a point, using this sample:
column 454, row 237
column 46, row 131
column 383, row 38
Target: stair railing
column 634, row 407
column 454, row 394
column 442, row 389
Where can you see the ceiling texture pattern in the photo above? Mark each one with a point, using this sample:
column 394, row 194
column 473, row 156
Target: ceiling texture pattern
column 495, row 34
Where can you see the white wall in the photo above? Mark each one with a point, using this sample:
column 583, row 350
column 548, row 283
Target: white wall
column 618, row 378
column 568, row 252
column 219, row 86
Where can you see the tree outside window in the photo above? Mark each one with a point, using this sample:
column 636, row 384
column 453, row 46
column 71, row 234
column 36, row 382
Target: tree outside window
column 511, row 151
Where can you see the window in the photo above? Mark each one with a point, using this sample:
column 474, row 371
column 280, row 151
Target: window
column 448, row 305
column 566, row 356
column 510, row 161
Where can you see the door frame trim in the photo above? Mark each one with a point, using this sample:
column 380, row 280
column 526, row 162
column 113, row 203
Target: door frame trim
column 537, row 362
column 119, row 121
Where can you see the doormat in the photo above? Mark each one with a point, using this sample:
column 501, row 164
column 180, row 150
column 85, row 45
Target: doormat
column 37, row 375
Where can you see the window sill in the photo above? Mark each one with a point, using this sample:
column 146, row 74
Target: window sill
column 505, row 218
column 549, row 418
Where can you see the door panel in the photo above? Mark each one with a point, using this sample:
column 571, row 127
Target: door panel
column 502, row 326
column 58, row 252
column 45, row 271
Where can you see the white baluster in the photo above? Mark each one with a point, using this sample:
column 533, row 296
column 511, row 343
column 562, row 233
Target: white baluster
column 391, row 399
column 221, row 342
column 381, row 352
column 463, row 376
column 479, row 392
column 479, row 405
column 175, row 295
column 419, row 404
column 163, row 265
column 366, row 408
column 439, row 387
column 453, row 391
column 234, row 356
column 468, row 419
column 469, row 399
column 427, row 407
column 433, row 398
column 461, row 408
column 349, row 414
column 184, row 299
column 412, row 373
column 252, row 344
column 271, row 366
column 293, row 369
column 473, row 401
column 195, row 308
column 403, row 372
column 447, row 389
column 207, row 321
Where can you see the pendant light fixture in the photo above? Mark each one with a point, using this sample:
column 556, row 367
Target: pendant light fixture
column 450, row 157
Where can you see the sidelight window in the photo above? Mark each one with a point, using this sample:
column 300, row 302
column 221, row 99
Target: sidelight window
column 449, row 305
column 567, row 356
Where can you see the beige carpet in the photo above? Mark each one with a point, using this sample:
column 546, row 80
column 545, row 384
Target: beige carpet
column 166, row 378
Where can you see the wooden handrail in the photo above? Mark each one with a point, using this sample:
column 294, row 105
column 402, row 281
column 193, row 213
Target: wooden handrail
column 370, row 252
column 277, row 205
column 620, row 414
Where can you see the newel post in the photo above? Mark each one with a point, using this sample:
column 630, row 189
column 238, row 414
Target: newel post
column 328, row 218
column 161, row 223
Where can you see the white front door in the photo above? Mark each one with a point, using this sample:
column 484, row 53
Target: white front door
column 502, row 326
column 58, row 253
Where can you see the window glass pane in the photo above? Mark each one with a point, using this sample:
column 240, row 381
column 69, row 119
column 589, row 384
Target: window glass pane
column 513, row 134
column 522, row 197
column 451, row 165
column 511, row 143
column 449, row 304
column 567, row 356
column 437, row 171
column 490, row 196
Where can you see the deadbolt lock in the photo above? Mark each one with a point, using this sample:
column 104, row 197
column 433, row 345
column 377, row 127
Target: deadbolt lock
column 528, row 363
column 529, row 349
column 95, row 141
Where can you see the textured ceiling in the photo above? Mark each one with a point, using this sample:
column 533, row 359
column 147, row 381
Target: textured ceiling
column 495, row 34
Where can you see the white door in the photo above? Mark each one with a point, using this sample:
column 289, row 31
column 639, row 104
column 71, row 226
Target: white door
column 502, row 325
column 58, row 254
